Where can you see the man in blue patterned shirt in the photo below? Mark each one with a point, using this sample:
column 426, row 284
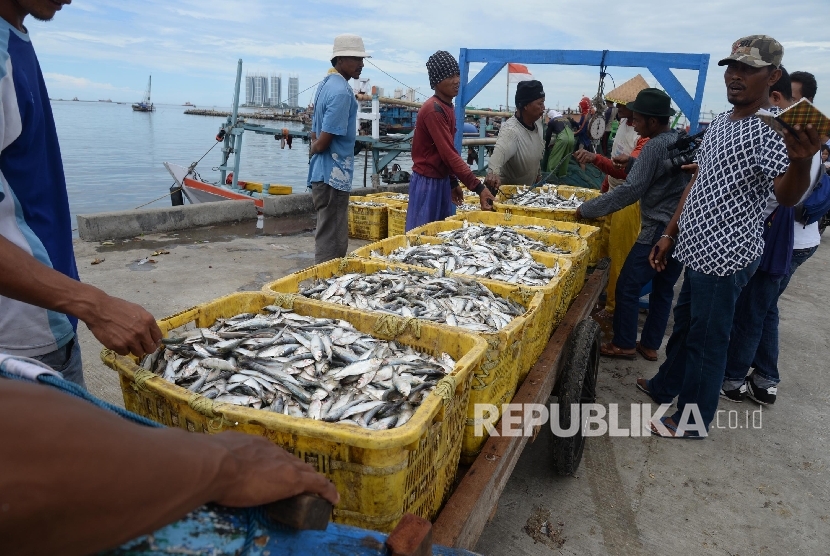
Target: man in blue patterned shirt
column 718, row 233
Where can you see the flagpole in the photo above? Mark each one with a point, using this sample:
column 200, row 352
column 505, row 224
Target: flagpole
column 507, row 91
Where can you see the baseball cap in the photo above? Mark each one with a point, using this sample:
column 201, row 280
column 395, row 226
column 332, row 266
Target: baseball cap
column 756, row 51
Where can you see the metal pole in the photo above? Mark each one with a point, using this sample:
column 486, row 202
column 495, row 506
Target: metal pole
column 237, row 154
column 482, row 133
column 365, row 164
column 236, row 92
column 238, row 142
column 507, row 91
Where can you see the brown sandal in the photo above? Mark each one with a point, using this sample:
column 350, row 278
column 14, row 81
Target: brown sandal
column 642, row 351
column 610, row 350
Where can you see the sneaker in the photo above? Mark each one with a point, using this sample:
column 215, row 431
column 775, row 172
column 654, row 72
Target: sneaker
column 764, row 396
column 737, row 395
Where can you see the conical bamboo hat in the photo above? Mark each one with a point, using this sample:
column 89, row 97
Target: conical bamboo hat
column 627, row 92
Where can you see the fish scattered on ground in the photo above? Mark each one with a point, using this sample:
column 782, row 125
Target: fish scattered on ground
column 411, row 293
column 502, row 262
column 316, row 368
column 543, row 198
column 472, row 233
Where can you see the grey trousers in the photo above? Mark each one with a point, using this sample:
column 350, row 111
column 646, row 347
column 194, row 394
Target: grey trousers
column 67, row 361
column 331, row 240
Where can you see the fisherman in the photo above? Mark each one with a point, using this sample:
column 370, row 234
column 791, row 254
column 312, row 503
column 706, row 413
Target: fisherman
column 558, row 153
column 753, row 341
column 624, row 224
column 520, row 146
column 43, row 298
column 658, row 189
column 333, row 133
column 718, row 232
column 436, row 165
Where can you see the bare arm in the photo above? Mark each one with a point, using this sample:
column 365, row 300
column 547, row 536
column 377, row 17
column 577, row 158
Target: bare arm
column 77, row 479
column 322, row 143
column 121, row 326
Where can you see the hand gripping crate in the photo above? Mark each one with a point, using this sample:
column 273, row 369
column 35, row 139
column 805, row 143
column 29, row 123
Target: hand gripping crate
column 397, row 219
column 495, row 379
column 551, row 311
column 591, row 234
column 370, row 223
column 576, row 247
column 562, row 215
column 380, row 475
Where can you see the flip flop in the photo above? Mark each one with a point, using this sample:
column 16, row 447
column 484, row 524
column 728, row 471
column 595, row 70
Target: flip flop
column 686, row 435
column 642, row 352
column 610, row 350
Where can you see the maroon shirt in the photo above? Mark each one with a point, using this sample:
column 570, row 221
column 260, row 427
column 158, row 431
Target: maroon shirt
column 433, row 151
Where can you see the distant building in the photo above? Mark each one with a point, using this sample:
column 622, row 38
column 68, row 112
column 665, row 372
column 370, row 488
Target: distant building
column 380, row 91
column 256, row 89
column 276, row 89
column 249, row 89
column 293, row 92
column 398, row 93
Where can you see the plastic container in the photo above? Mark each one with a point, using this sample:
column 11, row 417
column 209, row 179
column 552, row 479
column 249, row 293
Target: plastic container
column 591, row 234
column 496, row 377
column 389, row 195
column 555, row 300
column 397, row 219
column 380, row 475
column 370, row 223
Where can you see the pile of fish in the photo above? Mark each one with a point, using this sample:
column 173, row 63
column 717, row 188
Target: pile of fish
column 397, row 197
column 302, row 366
column 547, row 229
column 468, row 208
column 367, row 204
column 493, row 235
column 543, row 198
column 502, row 262
column 453, row 301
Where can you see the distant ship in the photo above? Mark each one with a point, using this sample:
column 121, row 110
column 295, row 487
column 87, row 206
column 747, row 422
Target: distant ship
column 188, row 104
column 75, row 99
column 107, row 100
column 145, row 105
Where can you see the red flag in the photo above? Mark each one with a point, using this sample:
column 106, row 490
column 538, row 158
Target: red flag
column 518, row 72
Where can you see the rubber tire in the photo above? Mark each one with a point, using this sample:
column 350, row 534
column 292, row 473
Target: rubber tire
column 576, row 385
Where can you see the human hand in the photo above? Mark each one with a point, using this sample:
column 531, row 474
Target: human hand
column 585, row 157
column 122, row 326
column 486, row 199
column 657, row 258
column 621, row 160
column 692, row 168
column 803, row 145
column 256, row 472
column 457, row 196
column 493, row 181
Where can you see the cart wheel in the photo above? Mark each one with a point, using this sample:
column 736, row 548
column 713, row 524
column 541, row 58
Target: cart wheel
column 578, row 385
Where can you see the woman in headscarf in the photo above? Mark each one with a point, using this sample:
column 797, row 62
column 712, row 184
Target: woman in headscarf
column 559, row 152
column 436, row 165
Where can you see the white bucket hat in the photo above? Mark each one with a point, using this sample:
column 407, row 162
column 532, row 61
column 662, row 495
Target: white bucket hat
column 349, row 45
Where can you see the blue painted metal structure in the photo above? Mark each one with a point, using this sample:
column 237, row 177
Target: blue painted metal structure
column 658, row 63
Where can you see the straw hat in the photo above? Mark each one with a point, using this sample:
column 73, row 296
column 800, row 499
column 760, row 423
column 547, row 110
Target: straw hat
column 349, row 45
column 627, row 92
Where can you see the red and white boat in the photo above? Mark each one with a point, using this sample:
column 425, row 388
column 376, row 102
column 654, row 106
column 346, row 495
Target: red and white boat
column 199, row 191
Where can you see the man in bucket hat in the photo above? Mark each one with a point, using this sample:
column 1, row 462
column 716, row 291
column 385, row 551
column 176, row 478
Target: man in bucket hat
column 436, row 165
column 717, row 229
column 333, row 133
column 658, row 192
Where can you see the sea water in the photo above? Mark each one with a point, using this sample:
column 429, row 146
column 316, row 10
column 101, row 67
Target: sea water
column 113, row 156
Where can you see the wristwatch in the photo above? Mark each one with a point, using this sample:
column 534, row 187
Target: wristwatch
column 479, row 189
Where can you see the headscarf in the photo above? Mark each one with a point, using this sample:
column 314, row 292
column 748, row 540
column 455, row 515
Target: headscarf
column 585, row 105
column 440, row 66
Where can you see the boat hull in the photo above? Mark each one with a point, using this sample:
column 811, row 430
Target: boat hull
column 200, row 192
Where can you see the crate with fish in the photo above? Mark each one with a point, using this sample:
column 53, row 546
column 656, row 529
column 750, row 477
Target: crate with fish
column 397, row 219
column 535, row 271
column 499, row 312
column 587, row 232
column 386, row 196
column 375, row 405
column 368, row 217
column 552, row 202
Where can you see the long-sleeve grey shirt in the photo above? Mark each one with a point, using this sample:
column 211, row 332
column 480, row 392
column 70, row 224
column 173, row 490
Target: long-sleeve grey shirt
column 648, row 182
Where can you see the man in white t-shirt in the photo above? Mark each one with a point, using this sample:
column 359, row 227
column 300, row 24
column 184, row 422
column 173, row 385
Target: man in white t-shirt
column 754, row 338
column 718, row 232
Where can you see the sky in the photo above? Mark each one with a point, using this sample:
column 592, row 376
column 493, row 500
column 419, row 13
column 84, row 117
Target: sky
column 106, row 49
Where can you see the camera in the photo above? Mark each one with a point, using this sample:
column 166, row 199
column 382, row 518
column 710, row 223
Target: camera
column 683, row 151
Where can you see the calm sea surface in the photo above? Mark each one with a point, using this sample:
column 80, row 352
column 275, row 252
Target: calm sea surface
column 113, row 156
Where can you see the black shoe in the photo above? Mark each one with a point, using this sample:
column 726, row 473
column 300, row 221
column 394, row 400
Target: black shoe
column 737, row 395
column 764, row 396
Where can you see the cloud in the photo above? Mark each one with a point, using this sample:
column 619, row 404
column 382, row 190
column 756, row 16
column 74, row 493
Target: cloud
column 61, row 81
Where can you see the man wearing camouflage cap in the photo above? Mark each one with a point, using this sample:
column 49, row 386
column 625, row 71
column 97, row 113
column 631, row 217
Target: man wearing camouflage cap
column 717, row 230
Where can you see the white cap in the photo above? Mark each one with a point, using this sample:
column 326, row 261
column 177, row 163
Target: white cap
column 554, row 114
column 349, row 45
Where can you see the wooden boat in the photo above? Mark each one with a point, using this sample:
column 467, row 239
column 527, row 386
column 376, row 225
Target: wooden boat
column 199, row 191
column 145, row 105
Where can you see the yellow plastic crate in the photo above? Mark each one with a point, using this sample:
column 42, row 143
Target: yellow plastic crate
column 388, row 196
column 397, row 219
column 495, row 378
column 591, row 234
column 370, row 223
column 562, row 215
column 380, row 475
column 578, row 251
column 554, row 305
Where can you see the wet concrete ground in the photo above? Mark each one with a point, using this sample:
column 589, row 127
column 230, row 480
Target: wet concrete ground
column 743, row 491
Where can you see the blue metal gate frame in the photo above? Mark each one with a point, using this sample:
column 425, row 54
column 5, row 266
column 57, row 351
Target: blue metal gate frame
column 658, row 63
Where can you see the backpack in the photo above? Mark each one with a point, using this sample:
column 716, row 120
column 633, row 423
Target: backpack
column 818, row 203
